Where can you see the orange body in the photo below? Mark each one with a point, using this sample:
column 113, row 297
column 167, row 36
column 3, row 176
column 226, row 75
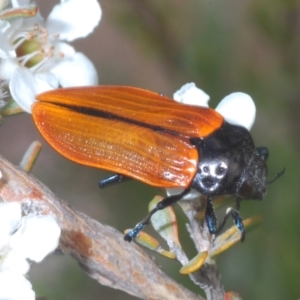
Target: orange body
column 126, row 130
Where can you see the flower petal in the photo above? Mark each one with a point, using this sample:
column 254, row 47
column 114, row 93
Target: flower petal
column 13, row 262
column 10, row 220
column 24, row 86
column 72, row 19
column 190, row 94
column 76, row 70
column 4, row 25
column 18, row 3
column 15, row 287
column 7, row 67
column 239, row 109
column 66, row 49
column 37, row 237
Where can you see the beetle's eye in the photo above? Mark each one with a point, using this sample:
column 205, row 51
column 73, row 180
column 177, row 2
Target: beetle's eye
column 221, row 169
column 263, row 153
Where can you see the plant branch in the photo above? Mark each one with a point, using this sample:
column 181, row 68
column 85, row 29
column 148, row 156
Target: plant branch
column 99, row 249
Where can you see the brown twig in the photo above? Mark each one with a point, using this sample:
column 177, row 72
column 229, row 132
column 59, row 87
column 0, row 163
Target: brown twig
column 99, row 249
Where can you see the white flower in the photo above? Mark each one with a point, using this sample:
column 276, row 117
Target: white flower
column 236, row 108
column 35, row 58
column 190, row 94
column 31, row 237
column 15, row 287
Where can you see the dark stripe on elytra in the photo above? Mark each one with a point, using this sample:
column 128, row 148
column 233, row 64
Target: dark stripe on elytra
column 105, row 115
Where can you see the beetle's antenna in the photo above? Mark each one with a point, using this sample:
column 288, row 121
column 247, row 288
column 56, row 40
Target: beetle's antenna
column 279, row 174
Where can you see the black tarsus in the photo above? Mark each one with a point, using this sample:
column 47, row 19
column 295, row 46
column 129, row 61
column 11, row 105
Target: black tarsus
column 210, row 216
column 237, row 220
column 211, row 219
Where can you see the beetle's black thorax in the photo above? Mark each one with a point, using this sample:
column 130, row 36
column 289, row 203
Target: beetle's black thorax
column 229, row 164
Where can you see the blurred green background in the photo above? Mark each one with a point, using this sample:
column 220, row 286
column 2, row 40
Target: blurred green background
column 222, row 46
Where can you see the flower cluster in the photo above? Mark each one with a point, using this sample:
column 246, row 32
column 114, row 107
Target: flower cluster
column 34, row 55
column 23, row 239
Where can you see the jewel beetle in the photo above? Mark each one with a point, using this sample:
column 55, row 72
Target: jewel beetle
column 146, row 136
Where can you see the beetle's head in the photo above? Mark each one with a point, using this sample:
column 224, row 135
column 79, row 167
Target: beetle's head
column 230, row 164
column 240, row 173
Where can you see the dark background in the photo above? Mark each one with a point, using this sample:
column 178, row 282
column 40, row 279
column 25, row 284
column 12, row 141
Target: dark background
column 222, row 46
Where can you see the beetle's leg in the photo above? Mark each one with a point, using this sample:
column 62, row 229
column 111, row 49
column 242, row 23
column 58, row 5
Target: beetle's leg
column 210, row 216
column 113, row 179
column 168, row 201
column 237, row 220
column 211, row 219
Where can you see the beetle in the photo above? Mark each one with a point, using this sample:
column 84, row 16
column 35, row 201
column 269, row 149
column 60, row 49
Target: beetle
column 143, row 135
